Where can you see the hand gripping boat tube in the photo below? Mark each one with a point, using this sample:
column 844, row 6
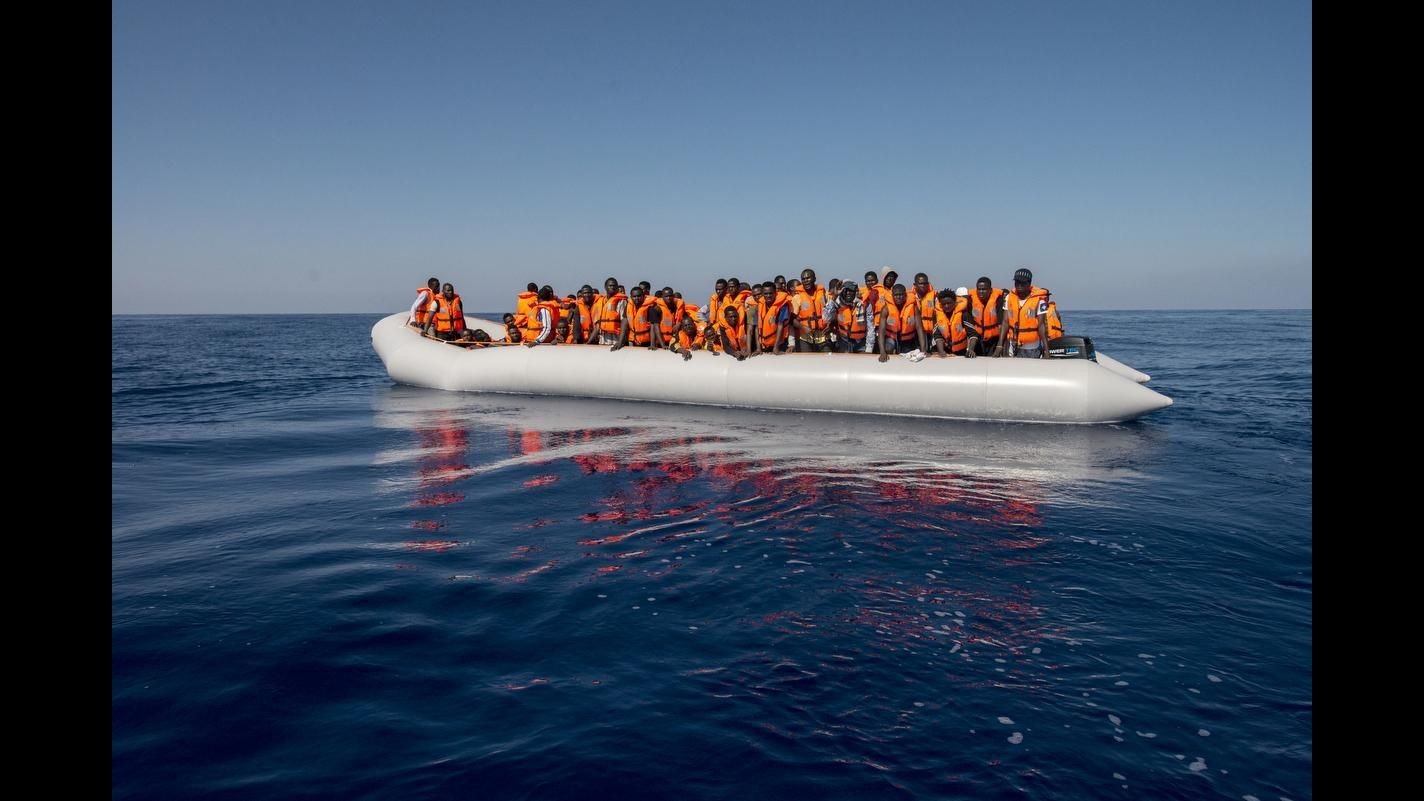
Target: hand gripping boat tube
column 1010, row 390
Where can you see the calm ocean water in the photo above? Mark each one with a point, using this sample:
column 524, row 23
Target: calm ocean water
column 328, row 586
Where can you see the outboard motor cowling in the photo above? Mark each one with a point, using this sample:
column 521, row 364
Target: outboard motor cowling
column 1071, row 347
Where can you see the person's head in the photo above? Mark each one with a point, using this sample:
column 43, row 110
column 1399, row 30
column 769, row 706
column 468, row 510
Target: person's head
column 512, row 333
column 449, row 292
column 546, row 292
column 508, row 319
column 734, row 286
column 891, row 277
column 730, row 315
column 983, row 288
column 947, row 300
column 898, row 294
column 610, row 285
column 637, row 294
column 770, row 288
column 808, row 279
column 677, row 295
column 647, row 286
column 780, row 283
column 480, row 335
column 833, row 286
column 720, row 287
column 434, row 284
column 870, row 279
column 667, row 294
column 532, row 287
column 848, row 291
column 1023, row 281
column 689, row 326
column 585, row 294
column 622, row 290
column 793, row 286
column 756, row 291
column 922, row 284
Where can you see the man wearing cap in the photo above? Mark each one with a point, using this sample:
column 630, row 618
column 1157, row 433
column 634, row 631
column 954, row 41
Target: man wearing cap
column 986, row 311
column 1025, row 328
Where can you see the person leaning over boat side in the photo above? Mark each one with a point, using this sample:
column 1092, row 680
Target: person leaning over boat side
column 733, row 333
column 474, row 338
column 1025, row 328
column 688, row 339
column 424, row 303
column 671, row 310
column 539, row 326
column 448, row 318
column 949, row 332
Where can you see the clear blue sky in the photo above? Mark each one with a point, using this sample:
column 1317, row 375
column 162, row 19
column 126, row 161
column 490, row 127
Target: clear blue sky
column 329, row 157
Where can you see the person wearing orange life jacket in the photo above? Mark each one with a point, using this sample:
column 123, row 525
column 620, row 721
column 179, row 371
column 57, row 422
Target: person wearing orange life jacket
column 846, row 315
column 583, row 316
column 474, row 338
column 875, row 299
column 613, row 315
column 714, row 303
column 447, row 319
column 424, row 303
column 689, row 309
column 808, row 326
column 1025, row 325
column 523, row 302
column 563, row 333
column 922, row 293
column 539, row 324
column 689, row 338
column 774, row 318
column 671, row 318
column 984, row 317
column 900, row 330
column 637, row 328
column 733, row 334
column 950, row 333
column 1055, row 323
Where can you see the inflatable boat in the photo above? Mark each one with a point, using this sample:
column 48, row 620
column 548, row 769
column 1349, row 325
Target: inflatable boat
column 1070, row 390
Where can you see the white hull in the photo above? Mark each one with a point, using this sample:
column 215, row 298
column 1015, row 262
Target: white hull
column 1011, row 390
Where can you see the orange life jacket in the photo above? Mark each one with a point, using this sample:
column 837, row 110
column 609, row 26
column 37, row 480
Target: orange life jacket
column 850, row 322
column 1055, row 323
column 926, row 307
column 685, row 342
column 587, row 316
column 672, row 317
column 532, row 328
column 523, row 302
column 449, row 314
column 1023, row 316
column 690, row 310
column 610, row 318
column 900, row 322
column 986, row 315
column 737, row 336
column 640, row 331
column 422, row 312
column 768, row 312
column 808, row 306
column 951, row 327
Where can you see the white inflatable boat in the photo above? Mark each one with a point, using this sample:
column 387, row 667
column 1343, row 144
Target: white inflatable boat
column 1010, row 390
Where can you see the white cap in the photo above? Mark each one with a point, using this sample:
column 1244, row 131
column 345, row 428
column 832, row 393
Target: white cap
column 962, row 291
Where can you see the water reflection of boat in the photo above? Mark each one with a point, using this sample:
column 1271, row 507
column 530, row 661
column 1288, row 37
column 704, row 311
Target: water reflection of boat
column 1025, row 390
column 597, row 431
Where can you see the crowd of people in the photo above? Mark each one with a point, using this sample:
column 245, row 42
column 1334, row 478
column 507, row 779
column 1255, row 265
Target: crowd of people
column 778, row 316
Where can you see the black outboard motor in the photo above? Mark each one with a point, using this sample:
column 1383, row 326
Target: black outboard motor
column 1071, row 347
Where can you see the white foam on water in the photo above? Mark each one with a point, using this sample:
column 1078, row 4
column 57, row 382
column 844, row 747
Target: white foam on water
column 1213, row 679
column 1115, row 720
column 1119, row 777
column 1015, row 738
column 1144, row 656
column 1203, row 733
column 1149, row 735
column 1005, row 721
column 1036, row 650
column 1119, row 684
column 1197, row 766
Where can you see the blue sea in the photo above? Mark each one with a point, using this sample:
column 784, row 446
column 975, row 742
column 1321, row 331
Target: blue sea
column 325, row 585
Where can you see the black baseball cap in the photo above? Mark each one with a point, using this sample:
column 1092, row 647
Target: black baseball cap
column 1023, row 276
